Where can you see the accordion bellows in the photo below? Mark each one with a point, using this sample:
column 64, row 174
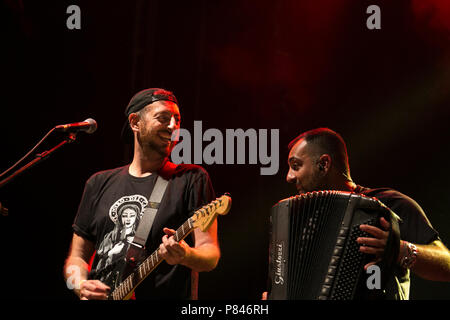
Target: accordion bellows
column 313, row 248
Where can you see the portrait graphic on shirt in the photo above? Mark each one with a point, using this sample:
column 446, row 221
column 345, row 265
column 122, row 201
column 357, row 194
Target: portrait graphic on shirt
column 126, row 214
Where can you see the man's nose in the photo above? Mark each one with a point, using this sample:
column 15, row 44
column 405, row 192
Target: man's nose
column 290, row 177
column 173, row 125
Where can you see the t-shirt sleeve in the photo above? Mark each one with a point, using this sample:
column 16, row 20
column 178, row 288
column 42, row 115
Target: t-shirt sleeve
column 415, row 226
column 418, row 228
column 201, row 191
column 83, row 223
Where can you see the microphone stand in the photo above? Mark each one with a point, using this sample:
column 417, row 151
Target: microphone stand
column 39, row 157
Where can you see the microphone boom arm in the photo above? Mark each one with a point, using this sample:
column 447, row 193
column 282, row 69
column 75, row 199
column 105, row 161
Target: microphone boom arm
column 39, row 157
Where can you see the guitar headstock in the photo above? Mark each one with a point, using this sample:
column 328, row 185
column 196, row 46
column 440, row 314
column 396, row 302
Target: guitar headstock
column 204, row 217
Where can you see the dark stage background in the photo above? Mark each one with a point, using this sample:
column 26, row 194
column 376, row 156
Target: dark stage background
column 287, row 65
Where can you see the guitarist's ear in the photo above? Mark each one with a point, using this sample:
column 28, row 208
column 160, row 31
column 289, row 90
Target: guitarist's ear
column 133, row 120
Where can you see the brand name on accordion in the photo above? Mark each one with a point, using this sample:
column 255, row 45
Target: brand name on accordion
column 279, row 263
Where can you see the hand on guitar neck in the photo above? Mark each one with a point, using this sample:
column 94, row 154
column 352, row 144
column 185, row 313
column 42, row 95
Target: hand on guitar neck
column 204, row 256
column 172, row 251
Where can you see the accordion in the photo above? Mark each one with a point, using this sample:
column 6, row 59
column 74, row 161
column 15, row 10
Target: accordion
column 313, row 252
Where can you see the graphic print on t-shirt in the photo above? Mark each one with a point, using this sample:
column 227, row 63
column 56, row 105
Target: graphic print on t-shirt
column 126, row 214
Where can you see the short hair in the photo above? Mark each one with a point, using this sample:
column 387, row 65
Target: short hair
column 328, row 142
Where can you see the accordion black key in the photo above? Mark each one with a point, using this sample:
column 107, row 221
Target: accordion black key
column 313, row 248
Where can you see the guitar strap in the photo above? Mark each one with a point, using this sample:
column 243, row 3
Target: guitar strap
column 150, row 210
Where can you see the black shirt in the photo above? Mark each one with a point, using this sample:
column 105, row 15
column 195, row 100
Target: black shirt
column 414, row 227
column 110, row 210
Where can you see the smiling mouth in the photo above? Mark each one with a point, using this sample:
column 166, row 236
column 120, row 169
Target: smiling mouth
column 165, row 137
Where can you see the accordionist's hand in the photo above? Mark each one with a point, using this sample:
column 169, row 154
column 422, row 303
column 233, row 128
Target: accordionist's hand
column 374, row 245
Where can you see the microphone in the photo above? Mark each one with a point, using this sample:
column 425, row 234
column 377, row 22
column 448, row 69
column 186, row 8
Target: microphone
column 89, row 126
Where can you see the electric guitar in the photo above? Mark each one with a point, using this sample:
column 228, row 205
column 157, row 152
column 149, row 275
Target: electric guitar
column 128, row 274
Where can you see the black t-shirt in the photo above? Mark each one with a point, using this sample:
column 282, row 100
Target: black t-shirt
column 414, row 227
column 110, row 210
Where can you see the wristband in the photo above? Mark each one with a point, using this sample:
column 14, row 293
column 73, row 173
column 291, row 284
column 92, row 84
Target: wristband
column 410, row 257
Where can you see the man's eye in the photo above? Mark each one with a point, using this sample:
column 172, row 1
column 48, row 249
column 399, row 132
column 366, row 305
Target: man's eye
column 163, row 119
column 167, row 119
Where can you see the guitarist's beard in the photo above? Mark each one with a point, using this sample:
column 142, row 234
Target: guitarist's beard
column 156, row 142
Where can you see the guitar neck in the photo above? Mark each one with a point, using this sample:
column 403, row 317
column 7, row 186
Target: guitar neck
column 126, row 288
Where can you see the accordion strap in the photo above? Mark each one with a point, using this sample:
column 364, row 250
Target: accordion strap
column 392, row 248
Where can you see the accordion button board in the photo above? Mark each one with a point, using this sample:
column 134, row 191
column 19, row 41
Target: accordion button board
column 313, row 248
